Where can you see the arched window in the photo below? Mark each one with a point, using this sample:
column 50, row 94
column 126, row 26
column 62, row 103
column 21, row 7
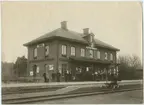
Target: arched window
column 64, row 48
column 73, row 51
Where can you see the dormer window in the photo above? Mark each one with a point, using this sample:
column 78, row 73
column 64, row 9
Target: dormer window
column 40, row 45
column 98, row 54
column 91, row 53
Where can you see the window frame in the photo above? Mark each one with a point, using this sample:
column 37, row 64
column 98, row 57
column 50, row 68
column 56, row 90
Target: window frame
column 35, row 53
column 98, row 54
column 111, row 57
column 62, row 50
column 73, row 54
column 106, row 56
column 46, row 55
column 82, row 53
column 37, row 69
column 90, row 53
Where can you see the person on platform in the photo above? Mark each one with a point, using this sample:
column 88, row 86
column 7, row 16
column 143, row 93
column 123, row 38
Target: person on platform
column 58, row 76
column 95, row 75
column 69, row 76
column 45, row 78
column 114, row 80
column 66, row 75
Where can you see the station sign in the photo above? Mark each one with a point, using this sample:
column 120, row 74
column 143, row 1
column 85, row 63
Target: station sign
column 92, row 48
column 31, row 73
column 87, row 69
column 51, row 67
column 41, row 45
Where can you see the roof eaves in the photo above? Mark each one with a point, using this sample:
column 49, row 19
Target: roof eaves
column 72, row 40
column 37, row 41
column 107, row 47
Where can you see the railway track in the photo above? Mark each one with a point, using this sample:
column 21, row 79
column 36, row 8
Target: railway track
column 29, row 90
column 28, row 100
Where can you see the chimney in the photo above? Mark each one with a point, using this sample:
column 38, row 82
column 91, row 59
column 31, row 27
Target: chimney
column 86, row 31
column 64, row 25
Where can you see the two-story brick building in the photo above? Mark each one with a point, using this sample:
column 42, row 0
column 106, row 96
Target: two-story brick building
column 65, row 51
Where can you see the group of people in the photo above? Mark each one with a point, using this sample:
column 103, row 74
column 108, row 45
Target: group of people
column 55, row 76
column 114, row 78
column 82, row 76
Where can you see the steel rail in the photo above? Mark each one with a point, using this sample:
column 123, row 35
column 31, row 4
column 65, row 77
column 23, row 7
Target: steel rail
column 62, row 96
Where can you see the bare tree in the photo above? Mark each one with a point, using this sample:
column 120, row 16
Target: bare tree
column 134, row 62
column 128, row 66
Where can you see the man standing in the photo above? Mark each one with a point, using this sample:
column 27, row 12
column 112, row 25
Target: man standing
column 66, row 75
column 45, row 78
column 95, row 75
column 58, row 76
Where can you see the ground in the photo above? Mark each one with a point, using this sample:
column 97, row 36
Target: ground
column 129, row 97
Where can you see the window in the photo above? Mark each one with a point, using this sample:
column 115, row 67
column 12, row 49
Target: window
column 63, row 49
column 98, row 54
column 110, row 71
column 91, row 53
column 37, row 69
column 82, row 52
column 106, row 55
column 40, row 45
column 46, row 50
column 35, row 53
column 114, row 71
column 111, row 57
column 51, row 67
column 73, row 51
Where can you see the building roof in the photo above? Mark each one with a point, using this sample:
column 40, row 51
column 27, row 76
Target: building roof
column 58, row 33
column 105, row 45
column 68, row 34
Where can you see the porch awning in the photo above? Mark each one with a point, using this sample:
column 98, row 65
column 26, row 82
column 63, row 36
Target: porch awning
column 90, row 60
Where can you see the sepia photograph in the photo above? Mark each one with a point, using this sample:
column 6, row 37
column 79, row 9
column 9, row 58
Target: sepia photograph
column 71, row 52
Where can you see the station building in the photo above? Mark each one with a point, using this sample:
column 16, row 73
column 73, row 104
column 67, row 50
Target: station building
column 66, row 51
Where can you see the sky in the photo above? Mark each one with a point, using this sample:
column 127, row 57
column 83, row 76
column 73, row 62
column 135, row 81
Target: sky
column 116, row 23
